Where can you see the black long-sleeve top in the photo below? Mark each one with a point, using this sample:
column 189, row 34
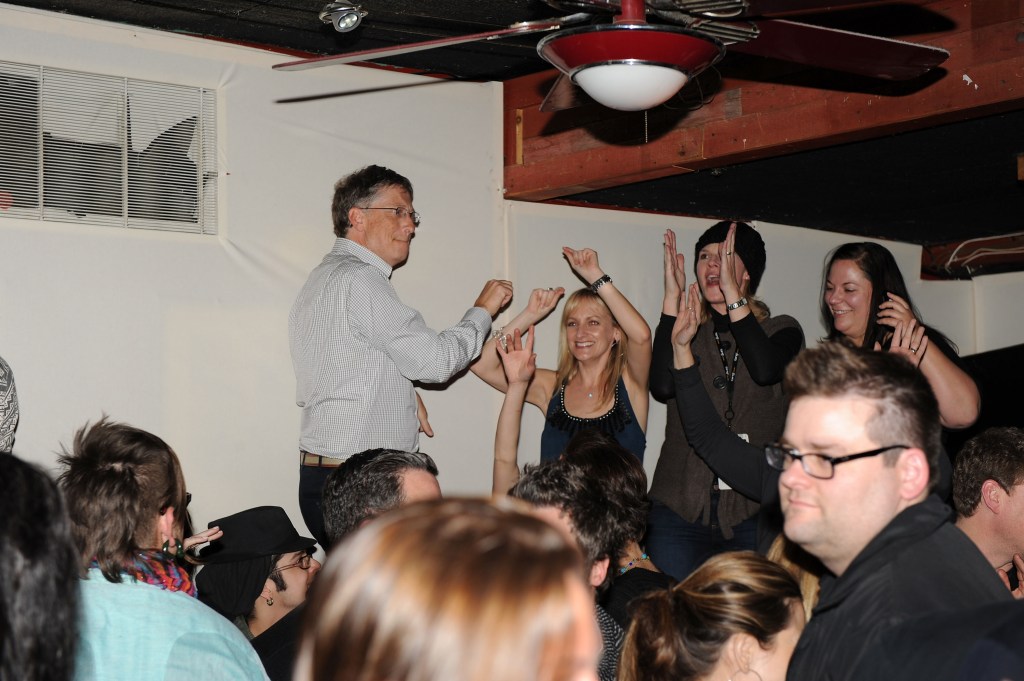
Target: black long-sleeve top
column 765, row 356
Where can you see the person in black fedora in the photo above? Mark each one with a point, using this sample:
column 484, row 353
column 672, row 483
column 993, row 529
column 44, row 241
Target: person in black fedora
column 258, row 571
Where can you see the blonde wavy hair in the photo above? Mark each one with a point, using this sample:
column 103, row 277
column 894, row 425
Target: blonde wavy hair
column 568, row 367
column 448, row 590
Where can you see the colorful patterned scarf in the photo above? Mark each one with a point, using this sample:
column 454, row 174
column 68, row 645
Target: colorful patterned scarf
column 155, row 567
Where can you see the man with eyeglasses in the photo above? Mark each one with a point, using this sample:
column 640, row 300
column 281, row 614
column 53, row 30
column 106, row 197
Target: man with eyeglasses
column 356, row 348
column 257, row 575
column 859, row 460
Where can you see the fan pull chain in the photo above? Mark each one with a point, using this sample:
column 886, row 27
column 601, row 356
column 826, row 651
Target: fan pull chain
column 646, row 137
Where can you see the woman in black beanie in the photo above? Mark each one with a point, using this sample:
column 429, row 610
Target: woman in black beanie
column 741, row 352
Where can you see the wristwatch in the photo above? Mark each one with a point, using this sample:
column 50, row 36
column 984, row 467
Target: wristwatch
column 737, row 305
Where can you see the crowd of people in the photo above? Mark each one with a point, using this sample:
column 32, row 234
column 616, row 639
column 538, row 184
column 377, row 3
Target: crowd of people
column 796, row 526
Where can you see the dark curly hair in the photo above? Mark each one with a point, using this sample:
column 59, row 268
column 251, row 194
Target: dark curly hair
column 568, row 488
column 995, row 454
column 620, row 476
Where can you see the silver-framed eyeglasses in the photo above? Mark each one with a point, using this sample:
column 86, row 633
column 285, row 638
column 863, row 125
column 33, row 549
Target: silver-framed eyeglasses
column 304, row 563
column 399, row 211
column 819, row 466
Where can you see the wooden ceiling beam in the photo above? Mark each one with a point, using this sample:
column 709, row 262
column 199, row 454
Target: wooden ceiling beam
column 549, row 155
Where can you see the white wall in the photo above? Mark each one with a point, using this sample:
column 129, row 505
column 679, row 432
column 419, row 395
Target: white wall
column 186, row 336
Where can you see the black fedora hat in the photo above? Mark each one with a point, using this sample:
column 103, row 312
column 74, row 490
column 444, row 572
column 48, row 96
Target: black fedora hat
column 256, row 532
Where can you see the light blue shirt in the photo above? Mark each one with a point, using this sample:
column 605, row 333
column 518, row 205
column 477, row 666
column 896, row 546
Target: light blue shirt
column 140, row 632
column 356, row 349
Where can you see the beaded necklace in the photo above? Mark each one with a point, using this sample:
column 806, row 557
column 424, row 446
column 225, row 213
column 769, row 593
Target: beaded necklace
column 632, row 564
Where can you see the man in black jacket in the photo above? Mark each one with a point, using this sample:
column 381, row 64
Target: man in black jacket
column 859, row 460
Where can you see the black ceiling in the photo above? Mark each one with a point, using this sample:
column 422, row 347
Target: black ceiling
column 947, row 183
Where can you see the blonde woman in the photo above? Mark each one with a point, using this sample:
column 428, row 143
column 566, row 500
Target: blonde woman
column 456, row 590
column 604, row 355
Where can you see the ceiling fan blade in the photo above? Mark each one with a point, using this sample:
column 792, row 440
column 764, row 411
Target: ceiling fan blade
column 521, row 28
column 831, row 48
column 737, row 9
column 564, row 94
column 767, row 8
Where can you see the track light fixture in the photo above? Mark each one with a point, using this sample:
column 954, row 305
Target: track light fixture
column 343, row 15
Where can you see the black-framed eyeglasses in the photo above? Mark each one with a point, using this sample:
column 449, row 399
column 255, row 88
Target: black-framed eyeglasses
column 304, row 563
column 819, row 466
column 399, row 211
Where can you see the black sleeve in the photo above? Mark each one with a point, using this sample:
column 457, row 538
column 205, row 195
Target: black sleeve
column 740, row 464
column 766, row 356
column 660, row 378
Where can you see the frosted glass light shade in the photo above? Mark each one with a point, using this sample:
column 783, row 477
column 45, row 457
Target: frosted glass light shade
column 630, row 86
column 630, row 66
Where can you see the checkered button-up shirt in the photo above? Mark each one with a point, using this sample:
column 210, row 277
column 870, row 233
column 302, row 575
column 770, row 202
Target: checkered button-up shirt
column 356, row 349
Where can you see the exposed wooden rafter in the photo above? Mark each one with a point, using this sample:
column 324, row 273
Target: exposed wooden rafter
column 554, row 155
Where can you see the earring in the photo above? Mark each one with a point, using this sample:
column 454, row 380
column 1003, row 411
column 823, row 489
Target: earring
column 270, row 601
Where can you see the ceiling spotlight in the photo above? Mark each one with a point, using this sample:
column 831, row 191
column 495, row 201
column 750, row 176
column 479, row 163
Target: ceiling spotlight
column 343, row 15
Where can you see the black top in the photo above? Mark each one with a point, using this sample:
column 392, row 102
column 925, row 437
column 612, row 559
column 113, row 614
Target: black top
column 983, row 643
column 740, row 464
column 765, row 356
column 278, row 646
column 919, row 564
column 627, row 587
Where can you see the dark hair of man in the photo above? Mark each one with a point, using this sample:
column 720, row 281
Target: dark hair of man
column 39, row 584
column 360, row 188
column 566, row 487
column 907, row 412
column 117, row 481
column 995, row 454
column 366, row 485
column 275, row 574
column 880, row 267
column 621, row 477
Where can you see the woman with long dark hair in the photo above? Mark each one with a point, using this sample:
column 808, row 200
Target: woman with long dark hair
column 865, row 302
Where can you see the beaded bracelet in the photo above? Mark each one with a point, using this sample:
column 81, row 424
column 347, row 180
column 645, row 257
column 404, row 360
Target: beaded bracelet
column 605, row 279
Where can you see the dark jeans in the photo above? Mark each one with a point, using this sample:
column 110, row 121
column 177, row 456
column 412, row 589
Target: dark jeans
column 311, row 488
column 679, row 547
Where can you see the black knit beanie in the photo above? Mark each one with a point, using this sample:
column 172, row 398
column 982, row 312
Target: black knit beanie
column 749, row 246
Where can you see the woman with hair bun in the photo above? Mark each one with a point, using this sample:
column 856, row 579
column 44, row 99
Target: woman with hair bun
column 737, row 617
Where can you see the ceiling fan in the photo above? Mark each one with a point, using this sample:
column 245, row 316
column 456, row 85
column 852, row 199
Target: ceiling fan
column 632, row 65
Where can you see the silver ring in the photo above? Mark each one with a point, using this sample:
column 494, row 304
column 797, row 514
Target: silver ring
column 913, row 350
column 728, row 252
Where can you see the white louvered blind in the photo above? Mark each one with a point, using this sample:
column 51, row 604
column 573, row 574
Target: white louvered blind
column 81, row 147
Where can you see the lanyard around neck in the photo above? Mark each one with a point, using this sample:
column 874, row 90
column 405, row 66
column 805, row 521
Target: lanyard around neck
column 730, row 377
